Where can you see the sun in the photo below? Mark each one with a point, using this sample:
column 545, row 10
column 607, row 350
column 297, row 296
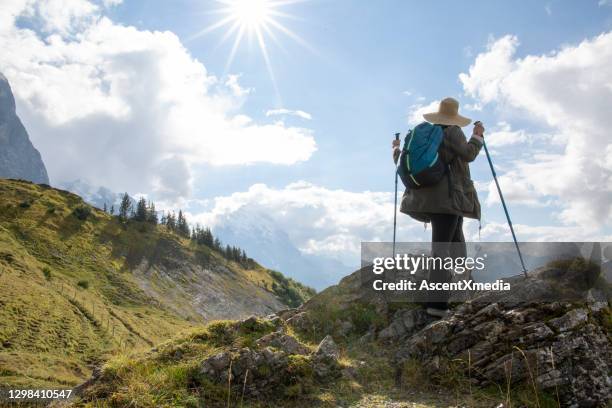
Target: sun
column 253, row 19
column 251, row 14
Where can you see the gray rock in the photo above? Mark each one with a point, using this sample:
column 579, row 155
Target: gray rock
column 597, row 300
column 570, row 320
column 325, row 359
column 282, row 341
column 327, row 348
column 301, row 321
column 18, row 157
column 405, row 322
column 257, row 371
column 515, row 340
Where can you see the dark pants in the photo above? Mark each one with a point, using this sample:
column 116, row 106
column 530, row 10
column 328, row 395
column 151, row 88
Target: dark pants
column 445, row 229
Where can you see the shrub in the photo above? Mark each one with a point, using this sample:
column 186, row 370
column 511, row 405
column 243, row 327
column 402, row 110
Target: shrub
column 279, row 277
column 25, row 204
column 83, row 284
column 47, row 272
column 82, row 212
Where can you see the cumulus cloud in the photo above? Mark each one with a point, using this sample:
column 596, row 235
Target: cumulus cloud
column 569, row 91
column 415, row 116
column 318, row 220
column 283, row 111
column 503, row 135
column 128, row 108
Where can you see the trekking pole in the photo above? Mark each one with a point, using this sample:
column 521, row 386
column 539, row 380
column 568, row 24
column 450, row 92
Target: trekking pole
column 501, row 196
column 397, row 135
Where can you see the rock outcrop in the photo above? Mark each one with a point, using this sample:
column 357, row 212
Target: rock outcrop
column 550, row 332
column 19, row 159
column 562, row 348
column 277, row 363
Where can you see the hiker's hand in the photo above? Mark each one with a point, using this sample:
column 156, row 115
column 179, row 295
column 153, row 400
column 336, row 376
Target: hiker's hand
column 478, row 129
column 395, row 144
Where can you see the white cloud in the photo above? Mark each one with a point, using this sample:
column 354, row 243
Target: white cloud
column 127, row 108
column 570, row 91
column 604, row 2
column 61, row 16
column 415, row 116
column 232, row 83
column 318, row 220
column 283, row 111
column 333, row 223
column 489, row 69
column 111, row 3
column 503, row 135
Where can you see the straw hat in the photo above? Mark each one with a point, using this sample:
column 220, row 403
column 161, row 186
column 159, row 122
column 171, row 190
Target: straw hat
column 447, row 114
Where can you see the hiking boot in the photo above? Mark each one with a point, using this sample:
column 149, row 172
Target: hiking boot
column 441, row 313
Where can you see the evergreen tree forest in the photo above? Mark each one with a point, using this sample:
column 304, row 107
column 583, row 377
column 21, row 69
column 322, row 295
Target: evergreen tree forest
column 144, row 211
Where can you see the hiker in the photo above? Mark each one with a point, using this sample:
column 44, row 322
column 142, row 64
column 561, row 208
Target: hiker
column 445, row 203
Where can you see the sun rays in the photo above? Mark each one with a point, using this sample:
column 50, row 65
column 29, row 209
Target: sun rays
column 253, row 20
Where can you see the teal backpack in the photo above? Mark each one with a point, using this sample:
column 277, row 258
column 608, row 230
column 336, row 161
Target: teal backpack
column 419, row 164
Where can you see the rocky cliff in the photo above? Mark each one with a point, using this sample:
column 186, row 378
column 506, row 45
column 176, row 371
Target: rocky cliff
column 19, row 159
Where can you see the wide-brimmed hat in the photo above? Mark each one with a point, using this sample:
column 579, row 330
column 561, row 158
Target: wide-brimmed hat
column 447, row 114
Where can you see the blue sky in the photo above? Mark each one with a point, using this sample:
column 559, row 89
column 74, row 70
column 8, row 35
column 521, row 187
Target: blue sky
column 368, row 55
column 96, row 81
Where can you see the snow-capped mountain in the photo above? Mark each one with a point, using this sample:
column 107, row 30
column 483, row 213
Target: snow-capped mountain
column 272, row 247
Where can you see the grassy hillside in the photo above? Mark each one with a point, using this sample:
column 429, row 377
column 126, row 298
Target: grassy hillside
column 77, row 286
column 287, row 360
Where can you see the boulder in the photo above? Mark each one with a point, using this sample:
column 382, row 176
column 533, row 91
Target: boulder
column 325, row 359
column 300, row 321
column 405, row 322
column 570, row 320
column 284, row 342
column 327, row 349
column 257, row 371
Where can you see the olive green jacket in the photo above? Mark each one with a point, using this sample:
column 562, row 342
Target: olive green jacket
column 462, row 198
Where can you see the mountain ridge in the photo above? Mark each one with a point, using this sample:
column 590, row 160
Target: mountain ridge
column 19, row 159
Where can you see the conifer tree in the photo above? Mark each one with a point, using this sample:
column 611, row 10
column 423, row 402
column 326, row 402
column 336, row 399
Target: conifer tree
column 141, row 210
column 125, row 207
column 171, row 221
column 181, row 225
column 152, row 214
column 208, row 238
